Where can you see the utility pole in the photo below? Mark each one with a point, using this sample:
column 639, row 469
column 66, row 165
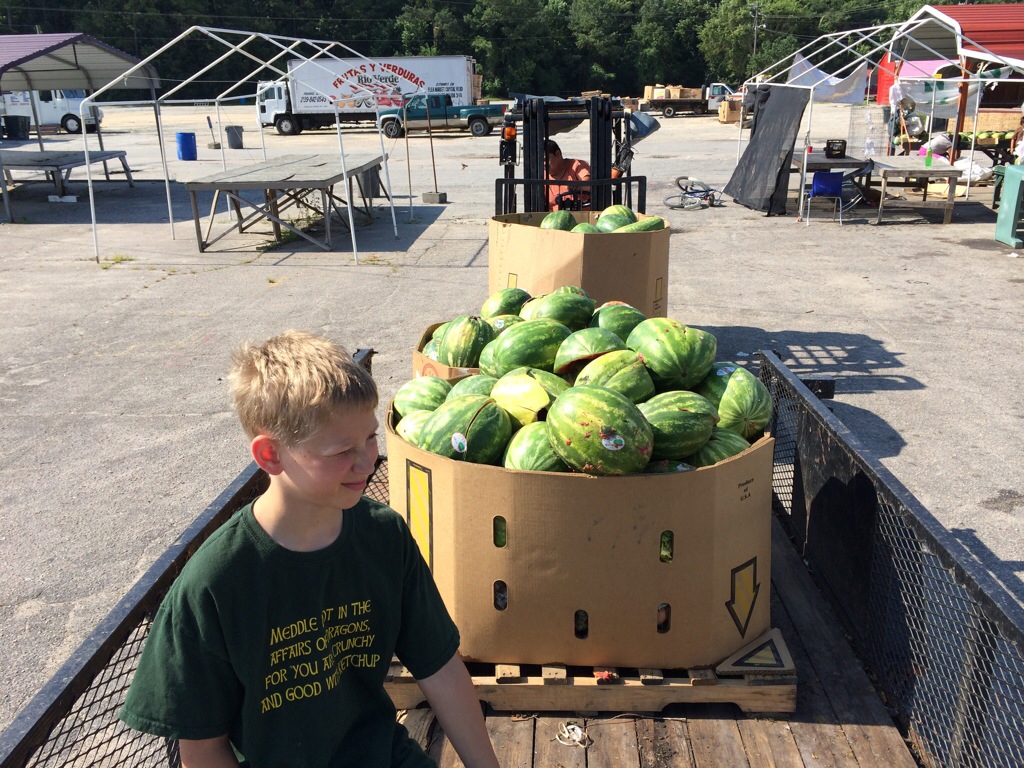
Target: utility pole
column 755, row 10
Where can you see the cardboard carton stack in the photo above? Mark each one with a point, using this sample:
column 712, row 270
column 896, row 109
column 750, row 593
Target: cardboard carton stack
column 729, row 111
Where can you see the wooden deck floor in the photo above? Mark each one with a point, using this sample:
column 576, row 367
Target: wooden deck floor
column 840, row 720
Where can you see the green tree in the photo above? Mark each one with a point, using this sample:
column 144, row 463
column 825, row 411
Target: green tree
column 515, row 42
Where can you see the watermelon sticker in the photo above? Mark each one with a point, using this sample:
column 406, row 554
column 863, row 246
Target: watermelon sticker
column 726, row 371
column 459, row 442
column 611, row 439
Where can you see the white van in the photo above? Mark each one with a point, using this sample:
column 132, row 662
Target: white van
column 54, row 107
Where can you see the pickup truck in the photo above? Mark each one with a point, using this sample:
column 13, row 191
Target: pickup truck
column 478, row 120
column 699, row 101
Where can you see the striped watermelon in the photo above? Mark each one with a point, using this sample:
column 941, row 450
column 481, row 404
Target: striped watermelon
column 439, row 331
column 487, row 360
column 622, row 371
column 470, row 428
column 582, row 347
column 530, row 449
column 462, row 341
column 555, row 385
column 572, row 289
column 507, row 301
column 533, row 344
column 411, row 426
column 528, row 310
column 426, row 393
column 480, row 384
column 522, row 397
column 502, row 322
column 613, row 221
column 619, row 210
column 744, row 404
column 681, row 421
column 620, row 319
column 666, row 467
column 558, row 220
column 430, row 349
column 570, row 309
column 723, row 444
column 678, row 357
column 600, row 432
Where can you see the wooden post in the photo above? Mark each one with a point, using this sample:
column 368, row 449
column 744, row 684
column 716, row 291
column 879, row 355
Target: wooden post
column 961, row 108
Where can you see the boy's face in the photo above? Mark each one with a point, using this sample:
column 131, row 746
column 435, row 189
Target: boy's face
column 329, row 471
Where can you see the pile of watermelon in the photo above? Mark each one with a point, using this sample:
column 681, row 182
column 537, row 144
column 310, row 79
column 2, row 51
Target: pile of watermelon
column 616, row 218
column 565, row 386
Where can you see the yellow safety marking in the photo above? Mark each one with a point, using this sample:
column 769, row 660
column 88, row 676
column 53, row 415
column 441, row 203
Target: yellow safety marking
column 659, row 288
column 420, row 508
column 765, row 656
column 743, row 594
column 513, row 280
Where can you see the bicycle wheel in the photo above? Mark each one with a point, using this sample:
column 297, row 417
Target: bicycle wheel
column 686, row 184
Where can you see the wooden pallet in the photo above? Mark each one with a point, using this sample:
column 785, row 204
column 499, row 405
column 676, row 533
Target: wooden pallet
column 766, row 683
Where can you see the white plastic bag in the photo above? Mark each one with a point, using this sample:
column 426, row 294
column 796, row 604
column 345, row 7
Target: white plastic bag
column 972, row 170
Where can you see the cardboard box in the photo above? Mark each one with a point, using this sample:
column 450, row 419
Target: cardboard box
column 648, row 92
column 729, row 112
column 424, row 366
column 630, row 267
column 580, row 543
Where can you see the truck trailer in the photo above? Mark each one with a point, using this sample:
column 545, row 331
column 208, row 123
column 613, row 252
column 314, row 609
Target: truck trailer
column 307, row 97
column 671, row 100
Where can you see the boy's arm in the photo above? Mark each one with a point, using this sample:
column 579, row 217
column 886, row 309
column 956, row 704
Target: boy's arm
column 207, row 753
column 451, row 695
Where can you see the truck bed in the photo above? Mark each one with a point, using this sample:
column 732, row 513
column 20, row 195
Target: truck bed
column 840, row 719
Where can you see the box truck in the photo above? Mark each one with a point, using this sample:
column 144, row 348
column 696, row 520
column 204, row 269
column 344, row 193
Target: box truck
column 55, row 107
column 306, row 97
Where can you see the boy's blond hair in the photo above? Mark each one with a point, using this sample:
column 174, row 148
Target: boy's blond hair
column 292, row 385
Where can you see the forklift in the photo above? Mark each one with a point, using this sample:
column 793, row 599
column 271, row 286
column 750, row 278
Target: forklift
column 614, row 132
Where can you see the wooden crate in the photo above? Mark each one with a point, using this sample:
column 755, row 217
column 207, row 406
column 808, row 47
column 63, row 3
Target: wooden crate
column 760, row 678
column 993, row 120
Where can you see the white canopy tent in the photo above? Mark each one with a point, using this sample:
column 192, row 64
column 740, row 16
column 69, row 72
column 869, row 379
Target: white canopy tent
column 241, row 43
column 926, row 36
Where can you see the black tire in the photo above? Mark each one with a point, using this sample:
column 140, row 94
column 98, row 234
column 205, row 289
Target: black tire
column 701, row 109
column 392, row 129
column 669, row 111
column 71, row 124
column 287, row 125
column 479, row 127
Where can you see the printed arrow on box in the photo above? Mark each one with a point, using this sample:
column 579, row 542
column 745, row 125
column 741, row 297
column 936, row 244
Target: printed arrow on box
column 743, row 594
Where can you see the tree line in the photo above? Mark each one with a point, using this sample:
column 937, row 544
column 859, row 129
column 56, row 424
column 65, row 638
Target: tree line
column 553, row 47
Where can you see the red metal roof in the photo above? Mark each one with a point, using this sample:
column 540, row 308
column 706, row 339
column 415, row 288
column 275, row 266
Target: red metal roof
column 998, row 27
column 66, row 60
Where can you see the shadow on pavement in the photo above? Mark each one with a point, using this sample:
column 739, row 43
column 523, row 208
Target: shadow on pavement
column 1010, row 573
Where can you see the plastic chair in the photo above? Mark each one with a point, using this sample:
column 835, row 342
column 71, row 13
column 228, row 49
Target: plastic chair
column 828, row 185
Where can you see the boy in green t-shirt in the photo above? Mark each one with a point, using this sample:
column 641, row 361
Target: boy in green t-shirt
column 274, row 642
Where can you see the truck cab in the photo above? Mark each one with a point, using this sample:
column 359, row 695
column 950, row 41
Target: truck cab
column 716, row 93
column 274, row 108
column 437, row 112
column 54, row 107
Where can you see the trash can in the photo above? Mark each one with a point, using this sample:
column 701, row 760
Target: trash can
column 234, row 134
column 369, row 182
column 186, row 146
column 17, row 127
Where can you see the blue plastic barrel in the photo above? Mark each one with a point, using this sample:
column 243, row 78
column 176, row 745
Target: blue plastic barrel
column 186, row 146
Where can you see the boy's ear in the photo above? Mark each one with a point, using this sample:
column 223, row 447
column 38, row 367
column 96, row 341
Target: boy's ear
column 266, row 454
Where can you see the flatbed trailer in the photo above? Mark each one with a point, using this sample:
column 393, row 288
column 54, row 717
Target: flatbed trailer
column 905, row 651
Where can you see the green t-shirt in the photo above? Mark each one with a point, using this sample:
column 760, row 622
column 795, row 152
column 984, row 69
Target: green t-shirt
column 286, row 652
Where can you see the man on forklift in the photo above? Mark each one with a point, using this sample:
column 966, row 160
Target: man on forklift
column 565, row 169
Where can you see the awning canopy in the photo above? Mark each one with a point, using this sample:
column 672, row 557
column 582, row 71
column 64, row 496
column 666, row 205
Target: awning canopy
column 992, row 32
column 67, row 60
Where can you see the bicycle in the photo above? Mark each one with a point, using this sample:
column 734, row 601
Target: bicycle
column 693, row 195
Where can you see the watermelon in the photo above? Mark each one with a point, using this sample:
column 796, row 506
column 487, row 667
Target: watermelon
column 586, row 228
column 463, row 340
column 618, row 210
column 572, row 289
column 430, row 349
column 665, row 467
column 682, row 423
column 439, row 331
column 620, row 319
column 613, row 221
column 523, row 398
column 507, row 301
column 500, row 322
column 570, row 309
column 650, row 224
column 487, row 359
column 677, row 356
column 744, row 404
column 530, row 449
column 582, row 347
column 555, row 385
column 600, row 432
column 470, row 428
column 723, row 444
column 529, row 308
column 558, row 220
column 411, row 426
column 533, row 344
column 480, row 384
column 425, row 393
column 623, row 372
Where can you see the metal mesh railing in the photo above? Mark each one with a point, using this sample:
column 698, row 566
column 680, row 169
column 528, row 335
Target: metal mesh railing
column 943, row 640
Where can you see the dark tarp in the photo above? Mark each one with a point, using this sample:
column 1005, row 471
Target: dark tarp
column 761, row 178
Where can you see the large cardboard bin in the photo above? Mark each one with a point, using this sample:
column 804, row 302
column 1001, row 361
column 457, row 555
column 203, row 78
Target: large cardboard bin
column 424, row 366
column 628, row 267
column 575, row 543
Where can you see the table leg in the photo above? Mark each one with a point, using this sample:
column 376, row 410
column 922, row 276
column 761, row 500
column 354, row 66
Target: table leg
column 195, row 218
column 950, row 199
column 238, row 210
column 127, row 171
column 325, row 202
column 7, row 196
column 926, row 181
column 881, row 200
column 276, row 212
